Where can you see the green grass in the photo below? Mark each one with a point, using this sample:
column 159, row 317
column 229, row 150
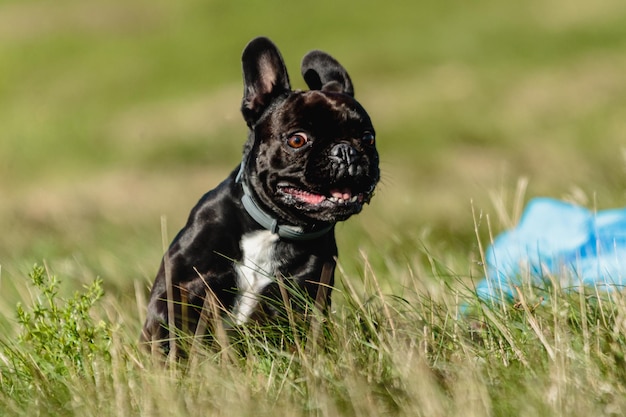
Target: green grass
column 116, row 113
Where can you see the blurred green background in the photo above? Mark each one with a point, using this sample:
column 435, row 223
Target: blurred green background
column 116, row 113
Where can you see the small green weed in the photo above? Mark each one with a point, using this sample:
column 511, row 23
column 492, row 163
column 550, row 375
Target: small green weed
column 58, row 338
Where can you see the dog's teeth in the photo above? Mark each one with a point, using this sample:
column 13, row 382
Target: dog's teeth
column 344, row 197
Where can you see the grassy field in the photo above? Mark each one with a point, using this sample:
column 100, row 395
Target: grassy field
column 117, row 114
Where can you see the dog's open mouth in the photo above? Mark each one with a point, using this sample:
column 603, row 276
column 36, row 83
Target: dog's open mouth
column 336, row 196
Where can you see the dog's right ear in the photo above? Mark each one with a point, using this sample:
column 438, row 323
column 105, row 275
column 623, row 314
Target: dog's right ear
column 264, row 76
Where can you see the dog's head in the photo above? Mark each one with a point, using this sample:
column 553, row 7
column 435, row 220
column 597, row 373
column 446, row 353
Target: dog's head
column 310, row 158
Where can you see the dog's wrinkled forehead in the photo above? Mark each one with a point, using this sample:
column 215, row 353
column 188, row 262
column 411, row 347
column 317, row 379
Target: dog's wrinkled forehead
column 321, row 110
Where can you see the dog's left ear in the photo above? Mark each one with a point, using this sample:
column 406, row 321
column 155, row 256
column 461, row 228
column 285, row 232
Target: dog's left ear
column 322, row 72
column 265, row 78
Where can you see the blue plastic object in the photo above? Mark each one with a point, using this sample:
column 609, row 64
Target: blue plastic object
column 559, row 242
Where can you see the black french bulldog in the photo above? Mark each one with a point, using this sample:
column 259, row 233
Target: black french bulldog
column 310, row 161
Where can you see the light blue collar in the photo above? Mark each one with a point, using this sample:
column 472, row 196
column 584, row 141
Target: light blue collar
column 270, row 223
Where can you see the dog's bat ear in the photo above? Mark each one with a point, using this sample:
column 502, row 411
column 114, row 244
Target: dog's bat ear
column 265, row 78
column 322, row 72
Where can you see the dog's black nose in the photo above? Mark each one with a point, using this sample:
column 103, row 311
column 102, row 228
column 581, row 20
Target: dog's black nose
column 346, row 159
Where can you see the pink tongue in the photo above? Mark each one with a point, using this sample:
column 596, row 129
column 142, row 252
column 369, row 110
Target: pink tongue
column 344, row 194
column 312, row 198
column 308, row 198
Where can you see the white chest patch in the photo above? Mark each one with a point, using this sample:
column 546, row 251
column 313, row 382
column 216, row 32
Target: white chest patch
column 256, row 270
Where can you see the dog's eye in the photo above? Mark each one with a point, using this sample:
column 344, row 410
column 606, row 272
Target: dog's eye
column 368, row 138
column 297, row 140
